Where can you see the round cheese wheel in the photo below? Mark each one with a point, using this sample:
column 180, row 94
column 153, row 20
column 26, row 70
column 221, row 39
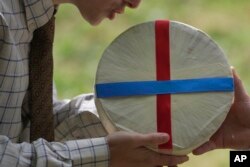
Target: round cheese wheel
column 164, row 55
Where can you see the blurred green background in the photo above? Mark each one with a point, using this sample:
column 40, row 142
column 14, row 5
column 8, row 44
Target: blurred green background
column 79, row 46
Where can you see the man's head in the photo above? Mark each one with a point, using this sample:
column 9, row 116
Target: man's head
column 94, row 11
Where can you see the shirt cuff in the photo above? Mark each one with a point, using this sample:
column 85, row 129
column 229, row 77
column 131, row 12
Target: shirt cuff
column 89, row 152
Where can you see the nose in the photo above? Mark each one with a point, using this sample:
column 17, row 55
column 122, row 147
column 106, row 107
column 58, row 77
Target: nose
column 132, row 3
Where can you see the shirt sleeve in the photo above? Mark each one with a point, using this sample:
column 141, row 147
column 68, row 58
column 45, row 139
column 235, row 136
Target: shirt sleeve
column 40, row 153
column 78, row 136
column 63, row 109
column 76, row 118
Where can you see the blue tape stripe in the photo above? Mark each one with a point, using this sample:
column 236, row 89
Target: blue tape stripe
column 220, row 84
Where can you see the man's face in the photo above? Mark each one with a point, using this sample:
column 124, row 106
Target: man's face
column 94, row 11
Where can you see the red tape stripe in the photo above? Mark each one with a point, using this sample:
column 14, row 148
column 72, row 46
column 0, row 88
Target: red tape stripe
column 163, row 73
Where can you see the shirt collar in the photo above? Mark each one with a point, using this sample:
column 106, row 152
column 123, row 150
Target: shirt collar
column 38, row 12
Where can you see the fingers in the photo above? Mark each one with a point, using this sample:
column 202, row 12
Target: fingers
column 163, row 159
column 131, row 147
column 208, row 146
column 174, row 160
column 151, row 139
column 136, row 139
column 158, row 159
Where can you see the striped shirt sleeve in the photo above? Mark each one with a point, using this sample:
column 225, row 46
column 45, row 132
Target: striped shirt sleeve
column 40, row 153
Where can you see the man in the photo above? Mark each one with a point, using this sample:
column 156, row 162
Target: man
column 234, row 133
column 79, row 136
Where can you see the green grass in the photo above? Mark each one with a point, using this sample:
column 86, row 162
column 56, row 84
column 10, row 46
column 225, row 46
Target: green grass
column 78, row 46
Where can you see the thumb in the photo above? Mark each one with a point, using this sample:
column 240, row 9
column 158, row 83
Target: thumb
column 151, row 139
column 208, row 146
column 240, row 92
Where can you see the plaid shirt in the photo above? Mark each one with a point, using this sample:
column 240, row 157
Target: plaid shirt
column 78, row 131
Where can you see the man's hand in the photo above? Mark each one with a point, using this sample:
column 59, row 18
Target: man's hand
column 128, row 150
column 235, row 131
